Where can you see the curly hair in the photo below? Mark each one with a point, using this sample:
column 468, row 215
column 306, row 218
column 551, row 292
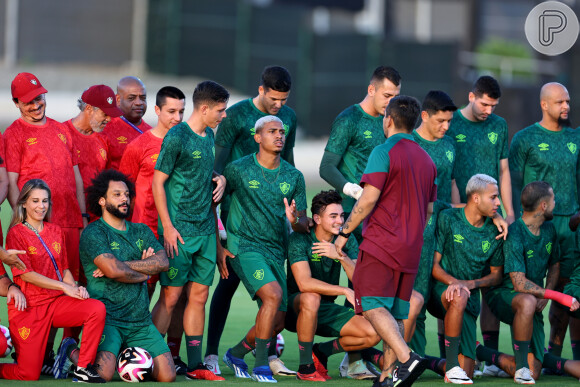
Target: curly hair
column 323, row 199
column 100, row 185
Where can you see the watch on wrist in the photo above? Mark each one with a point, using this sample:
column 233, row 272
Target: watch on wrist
column 342, row 234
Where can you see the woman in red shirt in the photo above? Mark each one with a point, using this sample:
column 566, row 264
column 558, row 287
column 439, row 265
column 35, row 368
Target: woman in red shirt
column 52, row 295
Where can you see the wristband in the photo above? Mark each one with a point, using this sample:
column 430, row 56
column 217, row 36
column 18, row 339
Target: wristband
column 342, row 234
column 560, row 298
column 14, row 284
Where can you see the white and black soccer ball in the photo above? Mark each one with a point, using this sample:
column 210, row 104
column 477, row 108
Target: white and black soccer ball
column 135, row 365
column 279, row 345
column 6, row 332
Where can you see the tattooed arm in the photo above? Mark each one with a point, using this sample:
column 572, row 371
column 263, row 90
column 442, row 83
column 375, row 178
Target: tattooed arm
column 524, row 285
column 117, row 270
column 152, row 265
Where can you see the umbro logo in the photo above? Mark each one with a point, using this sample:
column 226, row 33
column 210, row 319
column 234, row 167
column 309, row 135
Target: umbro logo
column 544, row 147
column 254, row 184
column 114, row 246
column 31, row 141
column 368, row 134
column 196, row 154
column 122, row 140
column 461, row 137
column 458, row 238
column 530, row 254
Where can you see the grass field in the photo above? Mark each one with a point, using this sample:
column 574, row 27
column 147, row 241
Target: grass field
column 241, row 317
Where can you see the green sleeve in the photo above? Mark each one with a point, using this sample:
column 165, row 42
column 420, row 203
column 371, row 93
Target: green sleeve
column 441, row 232
column 340, row 137
column 149, row 239
column 497, row 259
column 170, row 150
column 299, row 194
column 93, row 243
column 513, row 251
column 227, row 132
column 221, row 158
column 288, row 153
column 299, row 247
column 517, row 162
column 504, row 145
column 351, row 248
column 329, row 170
column 230, row 175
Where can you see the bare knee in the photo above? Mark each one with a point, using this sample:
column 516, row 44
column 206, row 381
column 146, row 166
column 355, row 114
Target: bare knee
column 272, row 296
column 169, row 297
column 309, row 302
column 525, row 305
column 459, row 302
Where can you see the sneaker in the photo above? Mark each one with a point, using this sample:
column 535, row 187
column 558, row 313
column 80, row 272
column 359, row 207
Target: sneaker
column 456, row 375
column 308, row 372
column 211, row 361
column 477, row 369
column 406, row 373
column 320, row 367
column 62, row 363
column 524, row 376
column 343, row 367
column 278, row 368
column 87, row 375
column 388, row 382
column 358, row 370
column 202, row 372
column 372, row 368
column 48, row 364
column 238, row 365
column 180, row 366
column 263, row 374
column 491, row 370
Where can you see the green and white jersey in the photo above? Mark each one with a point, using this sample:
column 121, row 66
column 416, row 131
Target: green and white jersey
column 479, row 146
column 321, row 268
column 531, row 254
column 188, row 160
column 353, row 136
column 257, row 218
column 540, row 154
column 467, row 251
column 127, row 304
column 236, row 131
column 442, row 153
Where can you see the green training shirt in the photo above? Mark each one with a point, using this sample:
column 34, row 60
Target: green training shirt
column 479, row 146
column 257, row 218
column 127, row 304
column 531, row 254
column 322, row 268
column 540, row 154
column 467, row 251
column 188, row 160
column 442, row 152
column 353, row 136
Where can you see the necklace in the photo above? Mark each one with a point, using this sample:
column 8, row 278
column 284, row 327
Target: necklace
column 264, row 175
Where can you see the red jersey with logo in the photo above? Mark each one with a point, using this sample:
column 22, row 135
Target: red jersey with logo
column 138, row 163
column 46, row 152
column 37, row 259
column 120, row 133
column 92, row 151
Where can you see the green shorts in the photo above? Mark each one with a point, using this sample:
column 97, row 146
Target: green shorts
column 499, row 301
column 468, row 328
column 115, row 338
column 330, row 320
column 256, row 271
column 567, row 242
column 195, row 262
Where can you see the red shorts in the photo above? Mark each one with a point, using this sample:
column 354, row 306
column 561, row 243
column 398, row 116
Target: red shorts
column 377, row 285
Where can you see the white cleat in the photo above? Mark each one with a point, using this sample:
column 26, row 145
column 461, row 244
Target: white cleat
column 211, row 361
column 278, row 368
column 456, row 375
column 524, row 376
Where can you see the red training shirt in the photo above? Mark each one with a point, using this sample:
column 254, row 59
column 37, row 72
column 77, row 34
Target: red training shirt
column 120, row 134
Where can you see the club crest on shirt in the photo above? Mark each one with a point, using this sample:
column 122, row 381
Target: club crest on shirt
column 122, row 139
column 31, row 141
column 368, row 134
column 154, row 157
column 102, row 340
column 196, row 154
column 24, row 332
column 492, row 136
column 56, row 247
column 172, row 273
column 254, row 184
column 62, row 137
column 460, row 137
column 572, row 147
column 449, row 155
column 485, row 245
column 31, row 250
column 549, row 247
column 140, row 244
column 103, row 153
column 259, row 274
column 284, row 187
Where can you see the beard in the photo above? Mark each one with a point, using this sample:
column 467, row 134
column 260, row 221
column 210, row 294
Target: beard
column 564, row 122
column 111, row 209
column 548, row 215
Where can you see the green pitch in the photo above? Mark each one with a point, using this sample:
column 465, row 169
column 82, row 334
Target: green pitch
column 241, row 317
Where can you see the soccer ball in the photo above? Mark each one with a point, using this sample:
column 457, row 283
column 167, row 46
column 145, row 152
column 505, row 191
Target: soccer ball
column 135, row 365
column 279, row 345
column 6, row 333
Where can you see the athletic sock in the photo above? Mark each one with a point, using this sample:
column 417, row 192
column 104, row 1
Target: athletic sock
column 452, row 351
column 329, row 348
column 521, row 349
column 554, row 349
column 553, row 362
column 272, row 346
column 261, row 352
column 491, row 339
column 354, row 356
column 441, row 340
column 193, row 344
column 307, row 369
column 242, row 348
column 433, row 364
column 174, row 344
column 371, row 354
column 305, row 351
column 575, row 349
column 491, row 356
column 321, row 356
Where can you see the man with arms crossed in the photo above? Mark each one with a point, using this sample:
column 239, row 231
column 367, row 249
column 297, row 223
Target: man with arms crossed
column 399, row 178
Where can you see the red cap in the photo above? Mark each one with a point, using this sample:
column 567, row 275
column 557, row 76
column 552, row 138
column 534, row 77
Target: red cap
column 26, row 87
column 103, row 97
